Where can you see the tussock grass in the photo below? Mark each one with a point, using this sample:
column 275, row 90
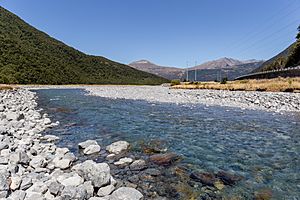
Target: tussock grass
column 269, row 85
column 6, row 87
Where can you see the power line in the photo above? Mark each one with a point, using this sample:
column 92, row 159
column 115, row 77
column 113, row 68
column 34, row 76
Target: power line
column 187, row 71
column 195, row 71
column 255, row 33
column 260, row 41
column 262, row 48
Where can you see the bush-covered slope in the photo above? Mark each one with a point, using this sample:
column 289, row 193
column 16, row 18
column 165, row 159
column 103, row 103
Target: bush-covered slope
column 290, row 57
column 29, row 56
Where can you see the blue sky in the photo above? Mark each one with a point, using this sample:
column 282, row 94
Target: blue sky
column 167, row 32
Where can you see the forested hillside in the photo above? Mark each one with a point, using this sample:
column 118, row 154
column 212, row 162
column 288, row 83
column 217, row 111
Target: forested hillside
column 29, row 56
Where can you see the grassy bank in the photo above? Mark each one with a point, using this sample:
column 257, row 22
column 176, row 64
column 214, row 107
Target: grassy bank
column 270, row 85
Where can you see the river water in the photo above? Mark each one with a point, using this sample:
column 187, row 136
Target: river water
column 263, row 147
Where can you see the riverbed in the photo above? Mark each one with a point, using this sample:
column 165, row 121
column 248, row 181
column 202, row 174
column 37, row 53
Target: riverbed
column 262, row 147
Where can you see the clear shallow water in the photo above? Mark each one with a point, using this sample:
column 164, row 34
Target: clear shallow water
column 263, row 147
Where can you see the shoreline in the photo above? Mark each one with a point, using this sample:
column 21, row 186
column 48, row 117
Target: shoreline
column 278, row 102
column 33, row 167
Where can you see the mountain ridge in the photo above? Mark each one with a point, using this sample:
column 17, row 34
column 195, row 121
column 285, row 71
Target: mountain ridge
column 163, row 71
column 289, row 57
column 222, row 63
column 231, row 67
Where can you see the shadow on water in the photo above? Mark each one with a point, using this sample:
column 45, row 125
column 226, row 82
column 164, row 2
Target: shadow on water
column 261, row 147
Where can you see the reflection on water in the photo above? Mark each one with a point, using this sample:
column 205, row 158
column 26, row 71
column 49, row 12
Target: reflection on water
column 262, row 147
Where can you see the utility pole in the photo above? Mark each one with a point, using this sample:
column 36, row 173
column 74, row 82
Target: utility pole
column 187, row 72
column 195, row 71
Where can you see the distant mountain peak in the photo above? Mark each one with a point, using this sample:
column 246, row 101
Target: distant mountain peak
column 221, row 63
column 227, row 58
column 224, row 62
column 143, row 62
column 163, row 71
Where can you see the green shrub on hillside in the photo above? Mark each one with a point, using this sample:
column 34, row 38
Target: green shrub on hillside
column 224, row 80
column 294, row 57
column 175, row 82
column 290, row 57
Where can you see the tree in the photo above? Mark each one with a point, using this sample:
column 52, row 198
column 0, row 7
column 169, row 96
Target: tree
column 298, row 36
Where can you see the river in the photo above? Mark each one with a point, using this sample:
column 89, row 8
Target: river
column 263, row 147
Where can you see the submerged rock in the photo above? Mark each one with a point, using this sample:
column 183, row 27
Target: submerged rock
column 124, row 161
column 138, row 165
column 208, row 179
column 153, row 172
column 154, row 146
column 219, row 185
column 263, row 194
column 164, row 159
column 228, row 178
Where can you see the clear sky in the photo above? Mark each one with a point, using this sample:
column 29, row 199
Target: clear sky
column 167, row 32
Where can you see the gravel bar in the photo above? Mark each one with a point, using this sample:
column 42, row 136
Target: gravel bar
column 268, row 101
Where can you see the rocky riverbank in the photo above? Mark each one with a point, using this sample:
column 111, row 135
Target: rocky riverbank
column 145, row 170
column 268, row 101
column 33, row 167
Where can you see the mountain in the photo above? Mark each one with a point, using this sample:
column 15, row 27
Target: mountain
column 209, row 71
column 222, row 63
column 166, row 72
column 29, row 56
column 287, row 58
column 221, row 68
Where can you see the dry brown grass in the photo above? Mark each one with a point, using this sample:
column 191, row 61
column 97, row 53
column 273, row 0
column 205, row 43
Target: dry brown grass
column 269, row 85
column 6, row 87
